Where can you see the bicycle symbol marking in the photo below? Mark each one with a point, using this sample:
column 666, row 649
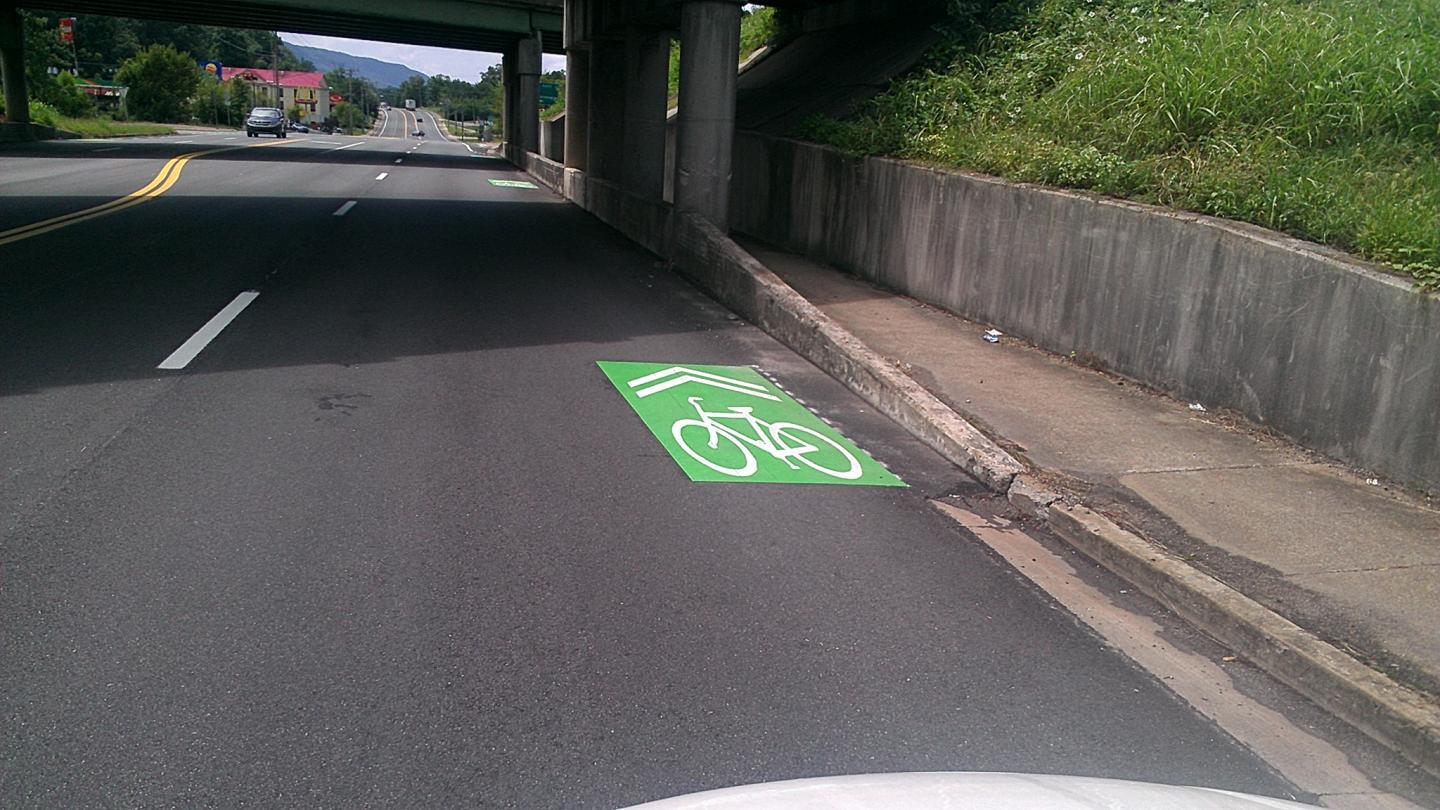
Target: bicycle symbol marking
column 729, row 424
column 784, row 441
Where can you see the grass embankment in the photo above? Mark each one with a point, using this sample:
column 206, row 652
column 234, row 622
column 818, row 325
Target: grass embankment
column 93, row 127
column 758, row 28
column 106, row 128
column 1319, row 118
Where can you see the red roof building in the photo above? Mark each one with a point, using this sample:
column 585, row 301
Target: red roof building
column 288, row 78
column 305, row 89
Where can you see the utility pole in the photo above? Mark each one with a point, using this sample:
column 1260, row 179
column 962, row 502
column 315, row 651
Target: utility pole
column 275, row 68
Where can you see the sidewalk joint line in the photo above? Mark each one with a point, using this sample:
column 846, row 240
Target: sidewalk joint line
column 1216, row 468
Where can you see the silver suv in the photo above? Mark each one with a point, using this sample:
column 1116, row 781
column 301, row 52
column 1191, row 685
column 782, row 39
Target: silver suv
column 265, row 119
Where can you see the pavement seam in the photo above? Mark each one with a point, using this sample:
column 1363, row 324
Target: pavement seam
column 1403, row 719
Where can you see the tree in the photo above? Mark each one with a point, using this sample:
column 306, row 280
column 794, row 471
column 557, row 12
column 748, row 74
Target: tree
column 209, row 104
column 161, row 81
column 237, row 100
column 413, row 87
column 350, row 117
column 43, row 53
column 557, row 78
column 65, row 96
column 355, row 88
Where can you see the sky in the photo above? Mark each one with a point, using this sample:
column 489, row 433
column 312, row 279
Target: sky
column 456, row 64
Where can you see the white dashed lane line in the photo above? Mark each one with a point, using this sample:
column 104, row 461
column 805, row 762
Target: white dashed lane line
column 345, row 209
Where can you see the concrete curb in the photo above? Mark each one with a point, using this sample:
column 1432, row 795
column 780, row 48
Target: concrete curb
column 705, row 255
column 1400, row 718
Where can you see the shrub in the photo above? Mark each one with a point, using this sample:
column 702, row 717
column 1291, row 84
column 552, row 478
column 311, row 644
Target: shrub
column 161, row 80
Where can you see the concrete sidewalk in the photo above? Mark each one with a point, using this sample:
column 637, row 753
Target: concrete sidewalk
column 1356, row 563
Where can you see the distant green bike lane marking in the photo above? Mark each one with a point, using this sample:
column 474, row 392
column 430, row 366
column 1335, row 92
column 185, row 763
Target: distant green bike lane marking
column 729, row 423
column 513, row 184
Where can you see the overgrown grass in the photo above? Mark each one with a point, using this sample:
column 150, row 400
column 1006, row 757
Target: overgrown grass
column 759, row 27
column 1319, row 118
column 93, row 126
column 106, row 128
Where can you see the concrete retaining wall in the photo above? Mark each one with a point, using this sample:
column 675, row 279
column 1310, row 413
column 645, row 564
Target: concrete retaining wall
column 1342, row 358
column 549, row 172
column 716, row 264
column 552, row 137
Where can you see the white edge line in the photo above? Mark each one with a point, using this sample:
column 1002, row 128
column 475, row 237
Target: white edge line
column 181, row 357
column 345, row 209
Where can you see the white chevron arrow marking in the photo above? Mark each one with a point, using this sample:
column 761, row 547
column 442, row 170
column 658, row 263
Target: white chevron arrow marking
column 679, row 375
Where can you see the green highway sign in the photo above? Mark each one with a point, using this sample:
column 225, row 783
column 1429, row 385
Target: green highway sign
column 549, row 94
column 513, row 184
column 728, row 423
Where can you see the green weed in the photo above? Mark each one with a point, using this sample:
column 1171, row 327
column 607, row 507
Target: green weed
column 1319, row 118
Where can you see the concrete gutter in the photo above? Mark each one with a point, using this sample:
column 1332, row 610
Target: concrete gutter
column 1397, row 716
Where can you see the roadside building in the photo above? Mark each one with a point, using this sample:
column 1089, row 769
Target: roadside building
column 298, row 88
column 107, row 96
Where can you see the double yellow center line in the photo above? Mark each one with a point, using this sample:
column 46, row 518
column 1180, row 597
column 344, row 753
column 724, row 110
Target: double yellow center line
column 167, row 177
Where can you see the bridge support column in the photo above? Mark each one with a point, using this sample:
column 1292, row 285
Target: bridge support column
column 12, row 64
column 709, row 58
column 527, row 106
column 577, row 109
column 607, row 109
column 508, row 92
column 647, row 62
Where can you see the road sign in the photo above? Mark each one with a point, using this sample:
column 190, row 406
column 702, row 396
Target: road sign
column 549, row 94
column 513, row 184
column 729, row 423
column 213, row 68
column 67, row 29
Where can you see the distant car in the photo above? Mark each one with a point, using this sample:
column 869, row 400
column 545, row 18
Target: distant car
column 265, row 119
column 299, row 127
column 419, row 133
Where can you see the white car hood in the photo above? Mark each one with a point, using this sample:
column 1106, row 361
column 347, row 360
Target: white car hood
column 965, row 791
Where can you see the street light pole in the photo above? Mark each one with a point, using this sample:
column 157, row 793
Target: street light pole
column 275, row 68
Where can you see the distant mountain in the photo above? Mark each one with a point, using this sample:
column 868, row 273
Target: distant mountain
column 383, row 74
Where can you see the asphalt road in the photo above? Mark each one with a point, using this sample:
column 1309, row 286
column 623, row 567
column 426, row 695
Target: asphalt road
column 398, row 122
column 392, row 539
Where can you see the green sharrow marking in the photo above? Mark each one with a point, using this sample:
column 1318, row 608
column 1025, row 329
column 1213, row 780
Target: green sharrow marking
column 728, row 423
column 513, row 184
